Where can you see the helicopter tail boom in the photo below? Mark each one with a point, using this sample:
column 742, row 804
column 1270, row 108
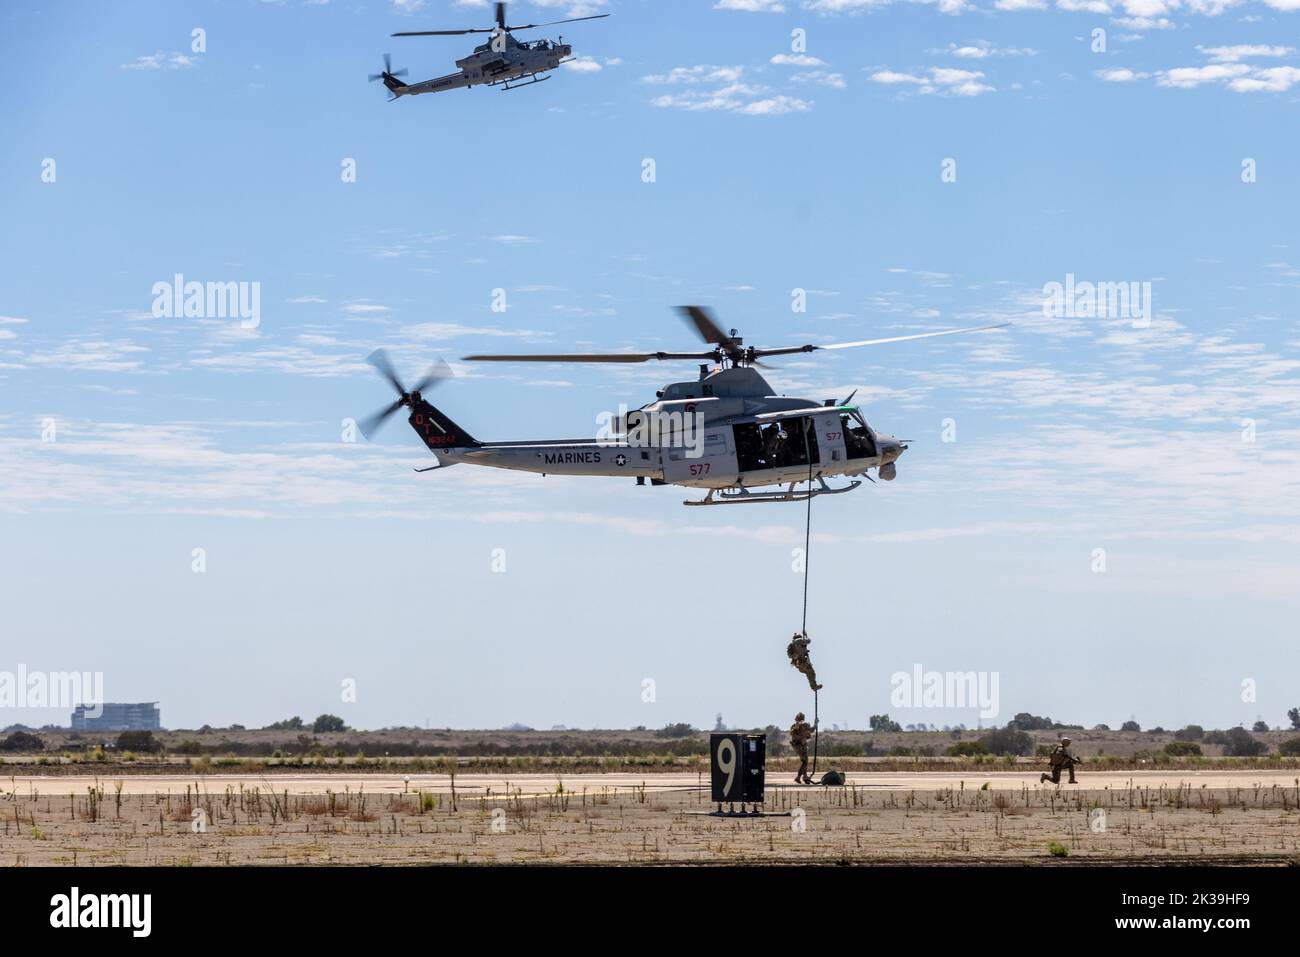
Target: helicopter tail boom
column 437, row 431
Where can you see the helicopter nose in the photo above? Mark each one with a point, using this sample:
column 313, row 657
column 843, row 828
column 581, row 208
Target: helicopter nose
column 891, row 449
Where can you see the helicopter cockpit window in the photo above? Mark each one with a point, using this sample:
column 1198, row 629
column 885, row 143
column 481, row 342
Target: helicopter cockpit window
column 859, row 443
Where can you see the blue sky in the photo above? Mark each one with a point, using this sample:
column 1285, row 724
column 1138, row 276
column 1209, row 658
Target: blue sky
column 775, row 170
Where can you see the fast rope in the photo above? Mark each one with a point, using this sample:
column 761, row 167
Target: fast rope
column 807, row 540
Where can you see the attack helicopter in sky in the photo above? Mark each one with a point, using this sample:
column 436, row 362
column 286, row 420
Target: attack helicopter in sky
column 726, row 432
column 502, row 61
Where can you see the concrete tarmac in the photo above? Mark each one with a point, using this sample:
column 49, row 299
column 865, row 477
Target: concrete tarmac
column 477, row 785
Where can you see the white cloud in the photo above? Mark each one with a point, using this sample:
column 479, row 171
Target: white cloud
column 99, row 355
column 1209, row 8
column 1241, row 51
column 775, row 105
column 1188, row 77
column 942, row 81
column 1276, row 79
column 1137, row 14
column 161, row 61
column 697, row 74
column 821, row 78
column 949, row 76
column 582, row 64
column 364, row 308
column 1119, row 75
column 1148, row 8
column 512, row 240
column 981, row 49
column 1225, row 68
column 796, row 59
column 733, row 96
column 737, row 98
column 751, row 6
column 1144, row 23
column 890, row 77
column 842, row 6
column 453, row 330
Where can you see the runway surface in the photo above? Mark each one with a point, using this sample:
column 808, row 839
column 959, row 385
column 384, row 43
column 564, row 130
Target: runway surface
column 500, row 784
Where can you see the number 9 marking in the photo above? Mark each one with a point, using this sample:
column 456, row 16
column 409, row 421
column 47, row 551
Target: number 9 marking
column 727, row 762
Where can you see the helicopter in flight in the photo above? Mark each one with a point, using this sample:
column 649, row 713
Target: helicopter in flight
column 503, row 61
column 726, row 432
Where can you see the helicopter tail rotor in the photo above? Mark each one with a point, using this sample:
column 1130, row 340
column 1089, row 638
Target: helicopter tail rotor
column 391, row 80
column 431, row 425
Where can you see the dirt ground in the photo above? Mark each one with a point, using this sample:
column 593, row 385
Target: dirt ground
column 1160, row 817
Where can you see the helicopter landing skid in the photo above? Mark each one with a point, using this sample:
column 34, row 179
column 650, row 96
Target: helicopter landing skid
column 510, row 84
column 739, row 495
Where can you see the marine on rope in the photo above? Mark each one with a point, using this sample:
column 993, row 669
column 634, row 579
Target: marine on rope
column 797, row 651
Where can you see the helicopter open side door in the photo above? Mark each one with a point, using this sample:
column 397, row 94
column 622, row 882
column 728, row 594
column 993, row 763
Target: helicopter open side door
column 715, row 467
column 830, row 438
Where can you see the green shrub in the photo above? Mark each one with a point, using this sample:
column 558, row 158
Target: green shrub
column 328, row 722
column 1242, row 745
column 137, row 741
column 1008, row 741
column 679, row 730
column 22, row 741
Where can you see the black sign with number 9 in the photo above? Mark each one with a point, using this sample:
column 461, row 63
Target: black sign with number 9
column 736, row 767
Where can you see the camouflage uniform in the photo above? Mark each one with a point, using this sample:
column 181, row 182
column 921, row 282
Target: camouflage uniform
column 800, row 733
column 1060, row 758
column 797, row 652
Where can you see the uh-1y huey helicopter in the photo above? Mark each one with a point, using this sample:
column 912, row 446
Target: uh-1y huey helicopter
column 726, row 432
column 499, row 62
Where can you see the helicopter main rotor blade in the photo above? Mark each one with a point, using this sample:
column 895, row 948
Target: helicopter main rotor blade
column 704, row 324
column 531, row 26
column 441, row 33
column 597, row 357
column 500, row 10
column 708, row 329
column 791, row 350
